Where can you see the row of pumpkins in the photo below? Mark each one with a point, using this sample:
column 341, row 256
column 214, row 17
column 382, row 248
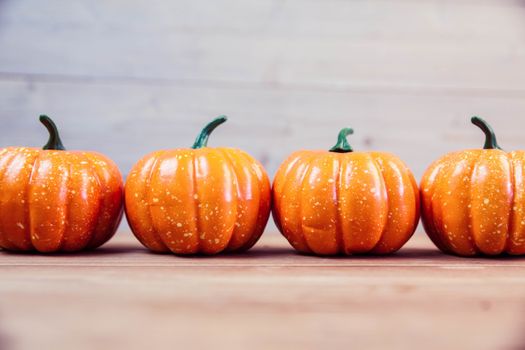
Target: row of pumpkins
column 211, row 200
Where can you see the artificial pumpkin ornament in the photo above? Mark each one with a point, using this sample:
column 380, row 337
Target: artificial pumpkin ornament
column 199, row 200
column 54, row 200
column 345, row 202
column 473, row 201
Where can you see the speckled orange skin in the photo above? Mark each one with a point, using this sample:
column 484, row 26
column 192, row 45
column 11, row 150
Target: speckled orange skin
column 473, row 202
column 57, row 201
column 329, row 203
column 191, row 201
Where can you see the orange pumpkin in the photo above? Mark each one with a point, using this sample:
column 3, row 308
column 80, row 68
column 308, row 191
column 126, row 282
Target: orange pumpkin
column 199, row 200
column 473, row 201
column 55, row 200
column 345, row 202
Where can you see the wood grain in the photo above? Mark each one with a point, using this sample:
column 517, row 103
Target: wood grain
column 271, row 297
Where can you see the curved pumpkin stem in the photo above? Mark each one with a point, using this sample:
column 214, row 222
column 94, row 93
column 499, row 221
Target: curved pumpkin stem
column 202, row 139
column 342, row 145
column 54, row 142
column 490, row 137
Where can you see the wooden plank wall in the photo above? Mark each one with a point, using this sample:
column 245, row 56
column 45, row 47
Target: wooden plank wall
column 126, row 77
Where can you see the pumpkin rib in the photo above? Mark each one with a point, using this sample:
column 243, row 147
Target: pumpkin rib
column 236, row 182
column 8, row 160
column 338, row 220
column 254, row 184
column 47, row 238
column 29, row 226
column 298, row 213
column 510, row 220
column 485, row 214
column 196, row 201
column 110, row 215
column 265, row 204
column 381, row 177
column 262, row 180
column 236, row 189
column 263, row 213
column 234, row 211
column 427, row 193
column 300, row 202
column 318, row 208
column 437, row 210
column 381, row 170
column 6, row 232
column 282, row 176
column 152, row 184
column 458, row 194
column 429, row 184
column 462, row 194
column 184, row 208
column 345, row 165
column 91, row 210
column 65, row 203
column 379, row 161
column 333, row 192
column 308, row 170
column 442, row 178
column 296, row 239
column 412, row 185
column 155, row 168
column 17, row 189
column 471, row 213
column 218, row 211
column 196, row 189
column 512, row 192
column 291, row 162
column 517, row 231
column 26, row 204
column 12, row 176
column 368, row 214
column 69, row 218
column 66, row 224
column 171, row 203
column 92, row 242
column 141, row 181
column 147, row 184
column 184, row 178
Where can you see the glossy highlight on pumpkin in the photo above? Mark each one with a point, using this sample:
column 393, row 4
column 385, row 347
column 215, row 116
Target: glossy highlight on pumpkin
column 473, row 201
column 198, row 200
column 345, row 202
column 53, row 200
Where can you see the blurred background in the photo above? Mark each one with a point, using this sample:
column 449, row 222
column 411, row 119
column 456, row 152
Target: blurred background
column 128, row 77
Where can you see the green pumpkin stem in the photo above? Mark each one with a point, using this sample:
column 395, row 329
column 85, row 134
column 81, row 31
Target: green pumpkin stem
column 342, row 145
column 202, row 139
column 490, row 137
column 54, row 142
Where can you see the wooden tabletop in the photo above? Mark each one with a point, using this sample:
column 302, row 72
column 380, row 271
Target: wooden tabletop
column 269, row 298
